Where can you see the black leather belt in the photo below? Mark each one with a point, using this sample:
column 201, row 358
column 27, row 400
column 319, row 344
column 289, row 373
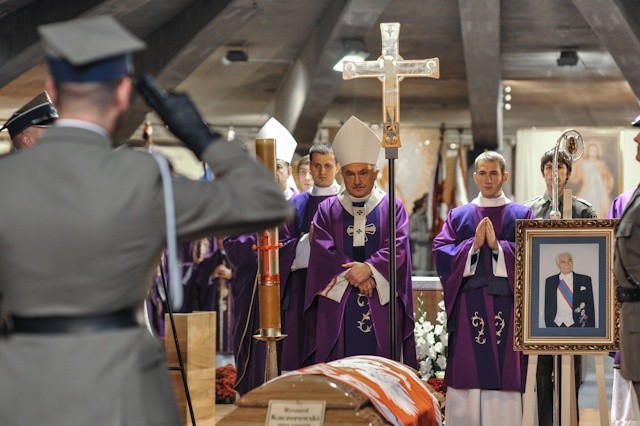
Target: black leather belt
column 625, row 294
column 124, row 318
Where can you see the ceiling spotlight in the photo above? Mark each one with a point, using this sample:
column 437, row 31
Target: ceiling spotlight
column 568, row 57
column 235, row 55
column 353, row 50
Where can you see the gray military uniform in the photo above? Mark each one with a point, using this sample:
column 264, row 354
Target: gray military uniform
column 541, row 207
column 626, row 268
column 82, row 228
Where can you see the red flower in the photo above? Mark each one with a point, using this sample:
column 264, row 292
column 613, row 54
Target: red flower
column 438, row 385
column 225, row 379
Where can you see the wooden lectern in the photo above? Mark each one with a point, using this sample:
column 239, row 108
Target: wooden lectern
column 197, row 340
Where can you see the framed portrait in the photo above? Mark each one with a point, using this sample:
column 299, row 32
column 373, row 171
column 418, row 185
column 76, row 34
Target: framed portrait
column 564, row 287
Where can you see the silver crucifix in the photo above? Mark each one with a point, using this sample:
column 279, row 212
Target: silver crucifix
column 391, row 68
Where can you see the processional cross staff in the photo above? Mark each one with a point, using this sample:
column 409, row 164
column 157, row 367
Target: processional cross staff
column 390, row 68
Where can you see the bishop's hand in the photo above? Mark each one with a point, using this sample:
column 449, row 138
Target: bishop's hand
column 358, row 273
column 179, row 114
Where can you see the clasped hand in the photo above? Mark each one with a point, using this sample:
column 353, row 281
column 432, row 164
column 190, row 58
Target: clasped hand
column 360, row 275
column 485, row 234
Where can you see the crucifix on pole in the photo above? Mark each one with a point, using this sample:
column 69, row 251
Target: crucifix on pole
column 390, row 68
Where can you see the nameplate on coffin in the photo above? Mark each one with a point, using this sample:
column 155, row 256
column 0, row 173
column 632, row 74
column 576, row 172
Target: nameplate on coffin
column 295, row 413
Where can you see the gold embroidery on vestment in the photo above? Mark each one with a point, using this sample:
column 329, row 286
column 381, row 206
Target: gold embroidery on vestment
column 365, row 328
column 362, row 300
column 478, row 322
column 500, row 324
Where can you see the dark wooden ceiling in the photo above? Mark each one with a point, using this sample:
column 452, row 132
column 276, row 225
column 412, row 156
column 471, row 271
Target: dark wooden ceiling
column 291, row 46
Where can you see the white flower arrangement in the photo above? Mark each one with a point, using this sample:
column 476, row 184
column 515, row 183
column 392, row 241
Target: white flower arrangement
column 431, row 343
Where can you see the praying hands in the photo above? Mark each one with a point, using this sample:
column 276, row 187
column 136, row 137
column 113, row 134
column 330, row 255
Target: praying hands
column 485, row 234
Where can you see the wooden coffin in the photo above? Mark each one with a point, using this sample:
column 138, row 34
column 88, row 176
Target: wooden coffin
column 345, row 405
column 357, row 390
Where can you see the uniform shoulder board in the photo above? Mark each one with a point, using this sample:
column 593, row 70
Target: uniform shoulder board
column 583, row 201
column 531, row 201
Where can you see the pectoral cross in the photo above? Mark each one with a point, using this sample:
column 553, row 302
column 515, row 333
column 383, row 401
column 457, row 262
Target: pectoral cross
column 391, row 68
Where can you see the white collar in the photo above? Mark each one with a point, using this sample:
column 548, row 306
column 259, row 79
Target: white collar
column 370, row 201
column 288, row 193
column 500, row 200
column 332, row 189
column 72, row 122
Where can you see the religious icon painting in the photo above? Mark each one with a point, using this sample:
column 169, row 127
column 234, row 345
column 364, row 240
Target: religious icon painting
column 564, row 289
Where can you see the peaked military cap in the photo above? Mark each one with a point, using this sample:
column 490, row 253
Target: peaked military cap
column 636, row 122
column 89, row 49
column 38, row 111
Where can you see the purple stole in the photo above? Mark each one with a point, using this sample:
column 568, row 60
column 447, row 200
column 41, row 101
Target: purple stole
column 330, row 248
column 480, row 307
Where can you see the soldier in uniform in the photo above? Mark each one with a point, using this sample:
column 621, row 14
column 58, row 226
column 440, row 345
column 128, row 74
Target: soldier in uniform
column 541, row 206
column 82, row 228
column 626, row 268
column 27, row 124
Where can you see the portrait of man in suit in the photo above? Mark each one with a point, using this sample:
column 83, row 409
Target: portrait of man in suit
column 568, row 296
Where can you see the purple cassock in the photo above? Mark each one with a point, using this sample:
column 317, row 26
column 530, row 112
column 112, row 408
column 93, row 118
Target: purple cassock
column 156, row 301
column 618, row 205
column 345, row 323
column 293, row 324
column 249, row 353
column 480, row 307
column 214, row 294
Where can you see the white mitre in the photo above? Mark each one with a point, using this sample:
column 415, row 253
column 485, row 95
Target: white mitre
column 355, row 142
column 285, row 143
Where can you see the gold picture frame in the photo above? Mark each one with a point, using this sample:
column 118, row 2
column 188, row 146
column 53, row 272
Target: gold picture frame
column 543, row 245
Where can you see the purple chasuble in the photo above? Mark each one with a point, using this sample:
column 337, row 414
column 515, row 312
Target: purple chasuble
column 214, row 294
column 293, row 324
column 618, row 205
column 480, row 307
column 331, row 247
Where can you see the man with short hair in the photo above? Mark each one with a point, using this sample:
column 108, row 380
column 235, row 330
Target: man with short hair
column 541, row 205
column 82, row 231
column 324, row 168
column 347, row 298
column 27, row 124
column 305, row 177
column 474, row 255
column 568, row 300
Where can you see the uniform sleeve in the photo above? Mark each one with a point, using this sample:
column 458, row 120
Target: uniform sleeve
column 242, row 198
